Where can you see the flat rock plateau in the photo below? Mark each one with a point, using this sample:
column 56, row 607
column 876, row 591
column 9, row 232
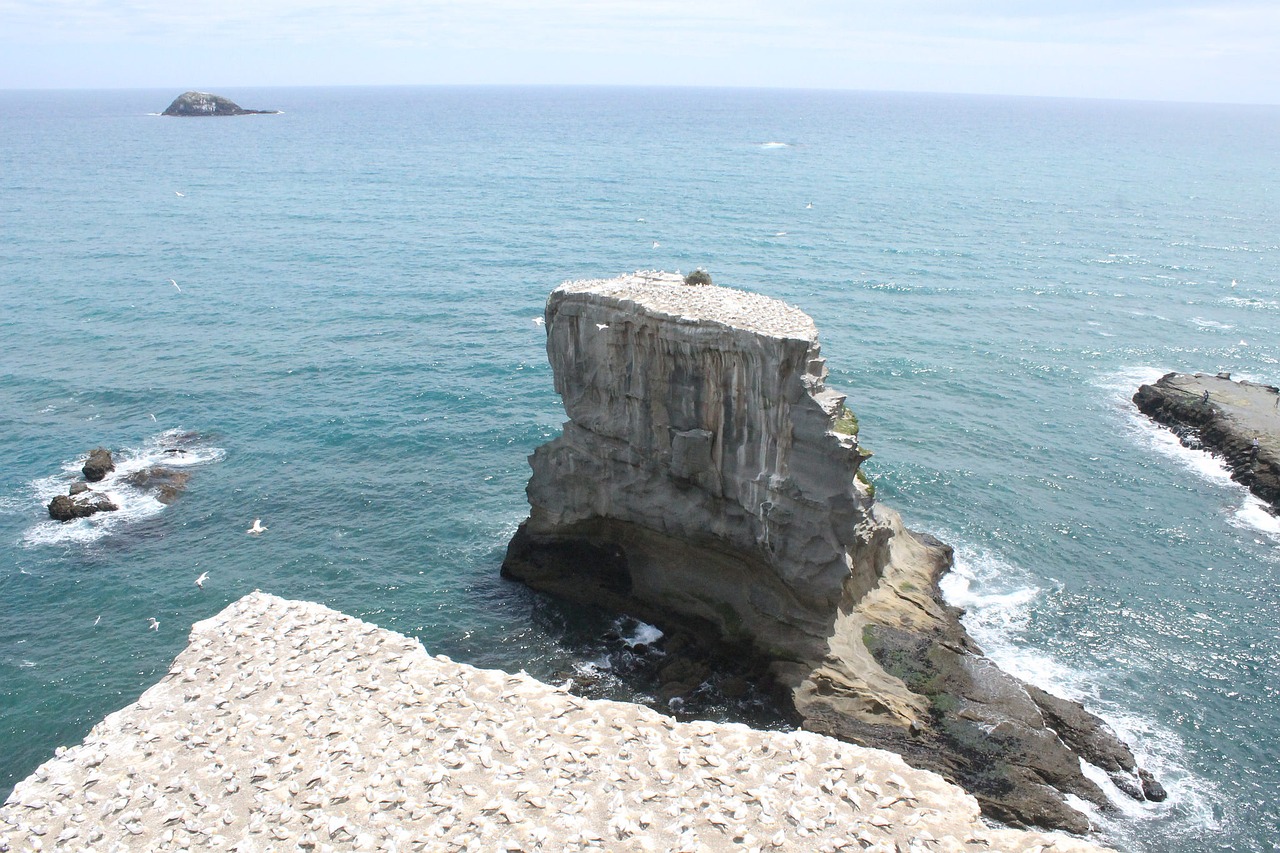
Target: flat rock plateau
column 285, row 725
column 1224, row 417
column 707, row 481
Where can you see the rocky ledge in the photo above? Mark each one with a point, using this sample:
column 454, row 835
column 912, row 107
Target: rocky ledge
column 1239, row 421
column 707, row 480
column 285, row 725
column 205, row 104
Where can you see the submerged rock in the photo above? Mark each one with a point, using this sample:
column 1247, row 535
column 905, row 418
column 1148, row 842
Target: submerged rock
column 98, row 465
column 707, row 481
column 205, row 104
column 1239, row 421
column 167, row 483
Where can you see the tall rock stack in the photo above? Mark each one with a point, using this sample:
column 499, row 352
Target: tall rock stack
column 707, row 478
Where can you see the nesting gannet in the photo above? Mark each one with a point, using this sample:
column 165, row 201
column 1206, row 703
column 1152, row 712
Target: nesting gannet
column 152, row 623
column 602, row 326
column 257, row 527
column 175, row 284
column 204, row 576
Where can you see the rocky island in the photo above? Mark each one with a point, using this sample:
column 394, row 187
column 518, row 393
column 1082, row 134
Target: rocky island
column 285, row 725
column 708, row 479
column 1239, row 421
column 205, row 104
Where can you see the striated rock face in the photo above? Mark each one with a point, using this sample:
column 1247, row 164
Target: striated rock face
column 205, row 104
column 708, row 477
column 288, row 726
column 1228, row 422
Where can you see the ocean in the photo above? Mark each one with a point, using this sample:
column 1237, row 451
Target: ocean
column 346, row 351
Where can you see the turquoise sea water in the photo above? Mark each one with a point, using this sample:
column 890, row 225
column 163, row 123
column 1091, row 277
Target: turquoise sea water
column 352, row 345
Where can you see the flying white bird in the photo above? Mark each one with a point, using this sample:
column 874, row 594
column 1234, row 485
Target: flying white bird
column 257, row 527
column 656, row 244
column 602, row 326
column 179, row 195
column 538, row 321
column 96, row 621
column 175, row 284
column 152, row 623
column 204, row 576
column 153, row 417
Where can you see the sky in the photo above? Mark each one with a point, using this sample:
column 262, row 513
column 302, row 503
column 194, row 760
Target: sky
column 1173, row 50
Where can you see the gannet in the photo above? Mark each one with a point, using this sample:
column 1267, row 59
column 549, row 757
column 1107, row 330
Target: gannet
column 175, row 284
column 257, row 527
column 153, row 624
column 204, row 576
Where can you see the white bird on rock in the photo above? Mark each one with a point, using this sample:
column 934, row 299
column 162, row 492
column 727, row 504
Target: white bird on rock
column 257, row 527
column 204, row 576
column 602, row 326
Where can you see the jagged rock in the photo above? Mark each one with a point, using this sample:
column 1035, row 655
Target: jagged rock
column 77, row 489
column 98, row 465
column 205, row 104
column 1225, row 422
column 68, row 508
column 706, row 482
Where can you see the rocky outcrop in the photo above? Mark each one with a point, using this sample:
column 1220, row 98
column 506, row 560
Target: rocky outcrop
column 80, row 504
column 288, row 726
column 708, row 478
column 205, row 104
column 1226, row 418
column 98, row 465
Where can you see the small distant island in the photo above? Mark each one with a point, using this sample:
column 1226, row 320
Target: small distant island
column 205, row 104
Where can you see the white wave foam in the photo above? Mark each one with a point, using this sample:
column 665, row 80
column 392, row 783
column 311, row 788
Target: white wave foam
column 1254, row 514
column 1210, row 324
column 774, row 145
column 134, row 504
column 997, row 598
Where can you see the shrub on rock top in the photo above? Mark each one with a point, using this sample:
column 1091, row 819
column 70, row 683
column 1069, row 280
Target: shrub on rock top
column 698, row 277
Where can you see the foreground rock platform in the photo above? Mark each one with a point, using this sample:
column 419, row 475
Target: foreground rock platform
column 1226, row 422
column 285, row 725
column 708, row 480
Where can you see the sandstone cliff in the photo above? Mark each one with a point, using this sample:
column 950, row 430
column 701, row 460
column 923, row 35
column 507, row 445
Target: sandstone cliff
column 707, row 477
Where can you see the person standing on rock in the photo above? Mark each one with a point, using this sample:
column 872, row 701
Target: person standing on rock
column 1204, row 399
column 1253, row 451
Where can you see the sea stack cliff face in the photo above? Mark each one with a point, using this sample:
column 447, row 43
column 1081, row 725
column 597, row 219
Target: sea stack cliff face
column 708, row 476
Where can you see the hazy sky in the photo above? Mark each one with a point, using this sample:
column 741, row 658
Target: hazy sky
column 1198, row 50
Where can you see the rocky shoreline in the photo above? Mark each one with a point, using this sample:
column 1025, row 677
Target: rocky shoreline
column 1225, row 417
column 707, row 481
column 287, row 725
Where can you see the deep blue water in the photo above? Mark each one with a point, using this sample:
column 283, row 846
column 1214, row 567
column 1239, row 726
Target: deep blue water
column 351, row 341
